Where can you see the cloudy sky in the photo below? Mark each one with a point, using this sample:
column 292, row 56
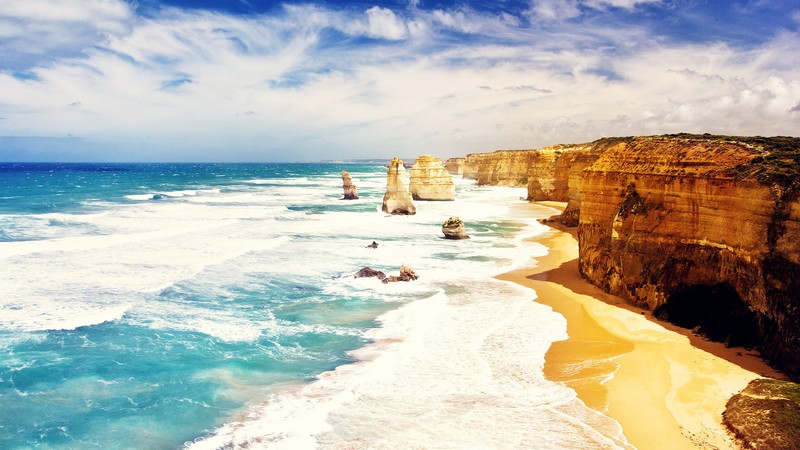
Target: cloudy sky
column 253, row 80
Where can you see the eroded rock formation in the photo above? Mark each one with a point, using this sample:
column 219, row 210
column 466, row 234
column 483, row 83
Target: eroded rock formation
column 397, row 199
column 350, row 191
column 499, row 168
column 430, row 180
column 406, row 274
column 678, row 218
column 368, row 272
column 455, row 166
column 453, row 228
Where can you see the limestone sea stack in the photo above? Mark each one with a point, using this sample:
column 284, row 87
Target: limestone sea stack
column 350, row 191
column 453, row 228
column 430, row 180
column 397, row 199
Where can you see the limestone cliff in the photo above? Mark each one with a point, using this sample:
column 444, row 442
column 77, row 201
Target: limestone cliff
column 397, row 199
column 700, row 226
column 455, row 166
column 500, row 168
column 430, row 180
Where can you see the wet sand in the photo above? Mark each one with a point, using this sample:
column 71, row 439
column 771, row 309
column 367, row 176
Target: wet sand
column 666, row 387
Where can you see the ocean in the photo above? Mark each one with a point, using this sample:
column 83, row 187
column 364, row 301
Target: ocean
column 203, row 306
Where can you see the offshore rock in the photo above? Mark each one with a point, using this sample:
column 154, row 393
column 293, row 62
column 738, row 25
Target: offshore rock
column 453, row 228
column 373, row 245
column 706, row 225
column 397, row 199
column 406, row 274
column 430, row 180
column 455, row 166
column 350, row 192
column 367, row 272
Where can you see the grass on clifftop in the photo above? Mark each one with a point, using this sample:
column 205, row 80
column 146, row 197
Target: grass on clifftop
column 779, row 162
column 766, row 415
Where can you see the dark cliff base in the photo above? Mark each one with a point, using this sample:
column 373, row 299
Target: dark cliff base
column 766, row 415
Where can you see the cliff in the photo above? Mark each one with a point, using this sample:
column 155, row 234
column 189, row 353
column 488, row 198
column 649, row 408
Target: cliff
column 397, row 199
column 430, row 180
column 703, row 229
column 455, row 166
column 499, row 168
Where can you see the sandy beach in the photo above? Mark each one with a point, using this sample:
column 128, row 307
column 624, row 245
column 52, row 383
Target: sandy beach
column 665, row 386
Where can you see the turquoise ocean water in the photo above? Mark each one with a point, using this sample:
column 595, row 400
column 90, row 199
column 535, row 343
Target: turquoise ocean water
column 213, row 306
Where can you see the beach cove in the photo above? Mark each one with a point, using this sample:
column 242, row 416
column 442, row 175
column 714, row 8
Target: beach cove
column 665, row 386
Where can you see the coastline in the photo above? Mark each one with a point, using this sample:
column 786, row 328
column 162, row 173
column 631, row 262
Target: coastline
column 665, row 386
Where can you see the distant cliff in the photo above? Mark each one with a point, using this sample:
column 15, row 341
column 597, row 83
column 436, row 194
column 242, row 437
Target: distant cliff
column 703, row 229
column 500, row 168
column 455, row 166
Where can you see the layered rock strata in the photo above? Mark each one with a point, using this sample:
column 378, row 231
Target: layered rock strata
column 708, row 225
column 430, row 180
column 499, row 168
column 350, row 191
column 397, row 199
column 455, row 166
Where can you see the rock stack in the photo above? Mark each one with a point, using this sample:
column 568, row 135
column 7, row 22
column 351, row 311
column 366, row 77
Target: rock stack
column 350, row 192
column 453, row 228
column 430, row 180
column 397, row 199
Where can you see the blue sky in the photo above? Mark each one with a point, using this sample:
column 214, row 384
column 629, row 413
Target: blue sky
column 250, row 80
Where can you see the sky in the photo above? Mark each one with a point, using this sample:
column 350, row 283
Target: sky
column 253, row 80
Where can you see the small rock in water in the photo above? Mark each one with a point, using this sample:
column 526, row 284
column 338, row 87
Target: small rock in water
column 373, row 245
column 406, row 274
column 159, row 197
column 367, row 272
column 453, row 228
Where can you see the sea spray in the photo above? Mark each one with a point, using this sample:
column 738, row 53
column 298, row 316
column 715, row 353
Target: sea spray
column 226, row 312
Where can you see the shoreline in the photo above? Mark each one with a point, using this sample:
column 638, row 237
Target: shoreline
column 665, row 386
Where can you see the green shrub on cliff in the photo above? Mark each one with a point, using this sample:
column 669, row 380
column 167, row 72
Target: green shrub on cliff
column 766, row 415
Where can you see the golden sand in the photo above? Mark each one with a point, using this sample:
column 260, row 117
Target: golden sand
column 666, row 387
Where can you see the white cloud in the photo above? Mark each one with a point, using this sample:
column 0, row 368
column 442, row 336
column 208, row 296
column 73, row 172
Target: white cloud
column 554, row 9
column 255, row 87
column 549, row 10
column 625, row 4
column 42, row 27
column 384, row 24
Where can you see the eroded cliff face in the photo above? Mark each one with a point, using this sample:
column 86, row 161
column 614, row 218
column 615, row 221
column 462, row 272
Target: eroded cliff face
column 706, row 222
column 430, row 180
column 499, row 168
column 455, row 166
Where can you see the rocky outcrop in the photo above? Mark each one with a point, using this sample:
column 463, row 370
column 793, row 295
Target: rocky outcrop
column 406, row 274
column 368, row 272
column 453, row 228
column 430, row 180
column 350, row 191
column 499, row 168
column 455, row 166
column 700, row 225
column 397, row 199
column 765, row 415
